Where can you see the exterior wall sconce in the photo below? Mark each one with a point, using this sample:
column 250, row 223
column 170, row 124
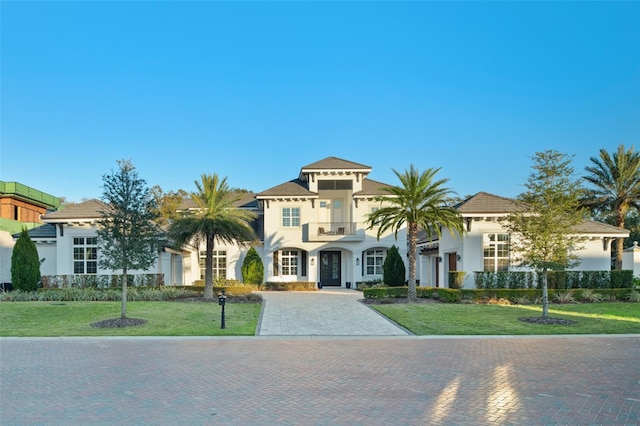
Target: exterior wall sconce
column 313, row 261
column 458, row 257
column 439, row 259
column 357, row 261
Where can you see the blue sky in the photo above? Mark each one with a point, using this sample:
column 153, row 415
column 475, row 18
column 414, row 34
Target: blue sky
column 255, row 90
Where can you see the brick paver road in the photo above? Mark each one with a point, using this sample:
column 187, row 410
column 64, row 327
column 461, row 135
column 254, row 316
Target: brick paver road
column 321, row 381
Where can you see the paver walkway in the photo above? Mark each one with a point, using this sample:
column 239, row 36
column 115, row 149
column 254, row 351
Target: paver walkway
column 327, row 312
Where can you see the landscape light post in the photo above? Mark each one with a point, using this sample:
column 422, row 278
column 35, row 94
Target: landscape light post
column 221, row 301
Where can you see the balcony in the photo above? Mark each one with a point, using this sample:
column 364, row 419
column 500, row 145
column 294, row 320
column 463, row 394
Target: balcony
column 335, row 231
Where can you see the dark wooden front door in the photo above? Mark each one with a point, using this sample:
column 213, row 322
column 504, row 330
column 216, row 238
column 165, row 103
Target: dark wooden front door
column 330, row 268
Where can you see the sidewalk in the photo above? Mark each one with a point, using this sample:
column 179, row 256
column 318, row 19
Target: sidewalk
column 326, row 312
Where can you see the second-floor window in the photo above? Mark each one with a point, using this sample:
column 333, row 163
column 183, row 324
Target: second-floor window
column 291, row 216
column 85, row 255
column 496, row 252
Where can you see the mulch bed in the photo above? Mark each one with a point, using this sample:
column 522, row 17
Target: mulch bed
column 393, row 301
column 548, row 320
column 118, row 323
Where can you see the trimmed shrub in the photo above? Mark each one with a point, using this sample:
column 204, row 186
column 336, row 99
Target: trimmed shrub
column 456, row 279
column 25, row 265
column 385, row 293
column 290, row 286
column 622, row 279
column 361, row 285
column 393, row 268
column 252, row 268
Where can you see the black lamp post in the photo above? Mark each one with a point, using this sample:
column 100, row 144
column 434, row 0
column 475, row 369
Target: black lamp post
column 221, row 301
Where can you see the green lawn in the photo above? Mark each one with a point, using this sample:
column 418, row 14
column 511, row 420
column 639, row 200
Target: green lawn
column 455, row 319
column 52, row 319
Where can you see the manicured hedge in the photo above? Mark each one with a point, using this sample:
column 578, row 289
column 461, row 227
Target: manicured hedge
column 513, row 295
column 290, row 286
column 556, row 280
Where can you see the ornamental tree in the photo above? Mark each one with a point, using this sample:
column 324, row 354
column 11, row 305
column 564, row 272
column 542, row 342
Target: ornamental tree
column 25, row 265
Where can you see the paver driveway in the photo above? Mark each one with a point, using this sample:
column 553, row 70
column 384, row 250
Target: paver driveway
column 351, row 367
column 328, row 312
column 320, row 381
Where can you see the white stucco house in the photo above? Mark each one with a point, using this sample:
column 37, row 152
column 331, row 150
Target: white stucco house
column 485, row 245
column 313, row 228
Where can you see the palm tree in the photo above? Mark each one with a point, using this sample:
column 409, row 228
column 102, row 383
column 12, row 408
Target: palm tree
column 616, row 187
column 420, row 202
column 216, row 218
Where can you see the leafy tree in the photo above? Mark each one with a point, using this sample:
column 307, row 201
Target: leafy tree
column 216, row 218
column 393, row 268
column 419, row 202
column 252, row 268
column 25, row 265
column 167, row 203
column 544, row 235
column 128, row 237
column 615, row 180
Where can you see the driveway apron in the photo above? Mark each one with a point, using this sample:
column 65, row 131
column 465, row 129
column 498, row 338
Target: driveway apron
column 327, row 312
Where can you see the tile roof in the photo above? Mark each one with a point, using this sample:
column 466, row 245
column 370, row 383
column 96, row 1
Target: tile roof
column 86, row 210
column 593, row 227
column 485, row 203
column 293, row 188
column 335, row 163
column 48, row 230
column 371, row 188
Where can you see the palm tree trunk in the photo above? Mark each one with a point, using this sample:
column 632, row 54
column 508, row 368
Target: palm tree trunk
column 620, row 213
column 123, row 306
column 411, row 255
column 208, row 269
column 619, row 252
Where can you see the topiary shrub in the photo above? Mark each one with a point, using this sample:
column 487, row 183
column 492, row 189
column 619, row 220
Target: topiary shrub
column 252, row 268
column 393, row 269
column 25, row 265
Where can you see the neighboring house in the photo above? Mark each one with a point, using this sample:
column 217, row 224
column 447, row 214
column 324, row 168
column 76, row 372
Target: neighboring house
column 69, row 245
column 485, row 246
column 20, row 207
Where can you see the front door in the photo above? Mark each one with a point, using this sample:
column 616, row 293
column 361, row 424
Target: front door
column 330, row 268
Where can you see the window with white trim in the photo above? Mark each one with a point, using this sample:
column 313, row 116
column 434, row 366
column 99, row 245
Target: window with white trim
column 289, row 262
column 496, row 252
column 372, row 210
column 374, row 259
column 85, row 255
column 219, row 264
column 291, row 216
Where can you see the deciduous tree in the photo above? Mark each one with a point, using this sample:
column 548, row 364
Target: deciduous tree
column 544, row 236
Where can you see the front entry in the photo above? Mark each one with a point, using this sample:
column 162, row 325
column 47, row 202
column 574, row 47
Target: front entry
column 330, row 268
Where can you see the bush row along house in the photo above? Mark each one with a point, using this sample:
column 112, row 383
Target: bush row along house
column 313, row 228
